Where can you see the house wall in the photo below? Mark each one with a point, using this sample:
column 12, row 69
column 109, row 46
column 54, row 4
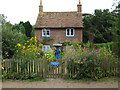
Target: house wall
column 59, row 36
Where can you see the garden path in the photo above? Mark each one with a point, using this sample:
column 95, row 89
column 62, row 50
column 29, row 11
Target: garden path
column 60, row 83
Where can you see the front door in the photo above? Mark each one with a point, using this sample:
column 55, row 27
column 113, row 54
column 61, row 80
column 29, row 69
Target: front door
column 57, row 53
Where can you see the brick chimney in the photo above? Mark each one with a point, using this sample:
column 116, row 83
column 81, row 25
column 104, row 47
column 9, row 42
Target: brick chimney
column 41, row 6
column 79, row 7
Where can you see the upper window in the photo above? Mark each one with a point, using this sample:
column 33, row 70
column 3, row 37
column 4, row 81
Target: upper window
column 45, row 47
column 45, row 32
column 70, row 32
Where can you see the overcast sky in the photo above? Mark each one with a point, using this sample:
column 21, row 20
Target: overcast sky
column 24, row 10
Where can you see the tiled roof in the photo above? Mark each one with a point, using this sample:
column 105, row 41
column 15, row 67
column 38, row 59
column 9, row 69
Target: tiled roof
column 59, row 20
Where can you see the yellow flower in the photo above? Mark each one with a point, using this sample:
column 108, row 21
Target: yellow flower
column 40, row 45
column 71, row 45
column 19, row 44
column 23, row 47
column 36, row 40
column 28, row 46
column 2, row 75
column 31, row 38
column 16, row 50
column 3, row 68
column 27, row 41
column 3, row 60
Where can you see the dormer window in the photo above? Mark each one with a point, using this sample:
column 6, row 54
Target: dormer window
column 70, row 32
column 45, row 32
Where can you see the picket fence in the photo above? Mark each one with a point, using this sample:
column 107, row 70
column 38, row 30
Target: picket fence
column 41, row 67
column 44, row 68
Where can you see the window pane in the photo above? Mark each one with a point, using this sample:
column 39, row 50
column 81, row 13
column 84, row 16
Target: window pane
column 68, row 32
column 72, row 32
column 44, row 32
column 43, row 48
column 48, row 48
column 48, row 32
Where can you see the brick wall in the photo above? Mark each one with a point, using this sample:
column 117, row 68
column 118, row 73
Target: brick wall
column 59, row 36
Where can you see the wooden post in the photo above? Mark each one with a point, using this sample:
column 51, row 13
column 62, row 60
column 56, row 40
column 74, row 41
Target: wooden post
column 28, row 66
column 44, row 68
column 17, row 66
column 33, row 66
column 38, row 66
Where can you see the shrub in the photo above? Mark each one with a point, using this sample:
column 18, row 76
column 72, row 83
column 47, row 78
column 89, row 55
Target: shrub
column 90, row 63
column 50, row 54
column 29, row 49
column 107, row 45
column 9, row 40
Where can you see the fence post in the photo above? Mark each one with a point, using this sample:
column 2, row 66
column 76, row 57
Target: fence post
column 17, row 65
column 66, row 68
column 44, row 67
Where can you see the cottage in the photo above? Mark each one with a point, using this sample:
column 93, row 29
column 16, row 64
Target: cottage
column 60, row 26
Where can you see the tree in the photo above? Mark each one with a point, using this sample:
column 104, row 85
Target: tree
column 19, row 28
column 116, row 30
column 88, row 32
column 28, row 28
column 10, row 38
column 97, row 26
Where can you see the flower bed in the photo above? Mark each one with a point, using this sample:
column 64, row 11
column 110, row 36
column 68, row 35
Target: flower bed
column 90, row 63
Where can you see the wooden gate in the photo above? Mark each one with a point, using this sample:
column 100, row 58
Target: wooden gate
column 55, row 71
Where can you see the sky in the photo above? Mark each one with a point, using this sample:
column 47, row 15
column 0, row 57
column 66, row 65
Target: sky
column 27, row 10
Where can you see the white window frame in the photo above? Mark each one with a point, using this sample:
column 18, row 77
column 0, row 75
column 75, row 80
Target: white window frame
column 70, row 32
column 46, row 47
column 45, row 33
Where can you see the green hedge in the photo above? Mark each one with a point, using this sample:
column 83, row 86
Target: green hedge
column 107, row 45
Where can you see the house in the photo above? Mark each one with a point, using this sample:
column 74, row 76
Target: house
column 60, row 26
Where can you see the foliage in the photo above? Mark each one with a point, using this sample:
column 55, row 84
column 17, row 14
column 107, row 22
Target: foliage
column 20, row 28
column 28, row 28
column 3, row 69
column 33, row 32
column 116, row 28
column 21, row 76
column 50, row 54
column 45, row 40
column 9, row 39
column 107, row 45
column 29, row 49
column 74, row 43
column 90, row 63
column 98, row 26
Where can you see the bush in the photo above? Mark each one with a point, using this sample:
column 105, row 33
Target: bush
column 90, row 63
column 21, row 76
column 29, row 50
column 107, row 45
column 9, row 40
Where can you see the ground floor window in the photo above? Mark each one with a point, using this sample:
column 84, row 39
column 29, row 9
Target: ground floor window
column 45, row 47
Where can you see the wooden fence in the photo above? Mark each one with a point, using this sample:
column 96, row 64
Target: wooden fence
column 45, row 70
column 41, row 67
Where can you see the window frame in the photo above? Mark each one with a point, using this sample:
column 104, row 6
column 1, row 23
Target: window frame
column 70, row 32
column 46, row 46
column 46, row 32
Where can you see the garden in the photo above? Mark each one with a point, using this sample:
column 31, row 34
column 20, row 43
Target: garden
column 80, row 61
column 95, row 58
